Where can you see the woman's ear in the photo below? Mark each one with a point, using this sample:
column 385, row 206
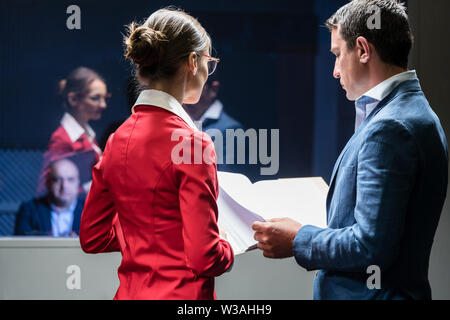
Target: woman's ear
column 192, row 63
column 72, row 99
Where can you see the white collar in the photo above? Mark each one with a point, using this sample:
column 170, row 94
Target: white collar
column 213, row 112
column 74, row 129
column 165, row 101
column 383, row 89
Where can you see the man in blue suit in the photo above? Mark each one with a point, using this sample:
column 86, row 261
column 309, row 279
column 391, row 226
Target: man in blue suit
column 58, row 213
column 389, row 183
column 209, row 115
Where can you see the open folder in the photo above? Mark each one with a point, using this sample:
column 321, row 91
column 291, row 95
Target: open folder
column 241, row 203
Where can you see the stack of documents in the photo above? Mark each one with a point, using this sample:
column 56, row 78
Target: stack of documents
column 241, row 203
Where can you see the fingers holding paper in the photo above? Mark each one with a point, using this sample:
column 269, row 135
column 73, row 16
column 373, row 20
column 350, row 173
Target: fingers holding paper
column 276, row 237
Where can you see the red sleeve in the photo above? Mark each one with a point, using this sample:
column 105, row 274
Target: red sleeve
column 60, row 142
column 206, row 253
column 99, row 224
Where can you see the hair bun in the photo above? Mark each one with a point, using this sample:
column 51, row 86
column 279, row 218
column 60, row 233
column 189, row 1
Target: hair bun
column 144, row 45
column 61, row 86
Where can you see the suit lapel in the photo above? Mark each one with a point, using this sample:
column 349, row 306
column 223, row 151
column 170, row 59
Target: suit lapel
column 383, row 103
column 77, row 215
column 349, row 143
column 45, row 213
column 336, row 168
column 208, row 122
column 410, row 85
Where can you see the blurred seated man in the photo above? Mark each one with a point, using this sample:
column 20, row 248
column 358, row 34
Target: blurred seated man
column 208, row 113
column 58, row 213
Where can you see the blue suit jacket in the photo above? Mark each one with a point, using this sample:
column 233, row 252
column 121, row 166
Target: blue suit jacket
column 386, row 195
column 223, row 123
column 34, row 217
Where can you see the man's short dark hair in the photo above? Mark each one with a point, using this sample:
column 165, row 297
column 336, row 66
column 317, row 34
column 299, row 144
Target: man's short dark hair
column 392, row 41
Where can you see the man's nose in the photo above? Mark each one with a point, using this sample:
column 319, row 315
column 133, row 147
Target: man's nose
column 336, row 71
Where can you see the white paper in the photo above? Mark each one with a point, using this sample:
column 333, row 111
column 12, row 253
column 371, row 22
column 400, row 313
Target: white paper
column 241, row 203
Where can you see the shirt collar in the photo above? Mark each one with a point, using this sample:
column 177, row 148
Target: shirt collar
column 213, row 112
column 165, row 101
column 363, row 107
column 74, row 129
column 383, row 89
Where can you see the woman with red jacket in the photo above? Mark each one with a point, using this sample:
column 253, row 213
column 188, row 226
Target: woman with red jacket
column 84, row 94
column 159, row 174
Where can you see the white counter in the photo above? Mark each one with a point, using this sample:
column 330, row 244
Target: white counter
column 40, row 268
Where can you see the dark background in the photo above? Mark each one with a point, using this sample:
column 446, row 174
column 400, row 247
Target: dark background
column 275, row 70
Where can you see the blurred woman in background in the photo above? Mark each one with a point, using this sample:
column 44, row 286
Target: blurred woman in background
column 84, row 95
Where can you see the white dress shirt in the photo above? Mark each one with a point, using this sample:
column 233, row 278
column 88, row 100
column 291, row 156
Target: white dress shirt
column 62, row 221
column 365, row 104
column 213, row 111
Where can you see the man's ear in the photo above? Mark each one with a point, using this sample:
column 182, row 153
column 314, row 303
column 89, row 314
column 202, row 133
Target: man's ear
column 364, row 50
column 192, row 63
column 215, row 85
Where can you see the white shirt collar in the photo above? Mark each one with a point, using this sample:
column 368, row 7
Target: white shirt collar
column 213, row 111
column 383, row 89
column 165, row 101
column 74, row 129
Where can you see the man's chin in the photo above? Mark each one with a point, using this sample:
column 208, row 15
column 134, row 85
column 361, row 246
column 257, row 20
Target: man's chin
column 349, row 96
column 63, row 203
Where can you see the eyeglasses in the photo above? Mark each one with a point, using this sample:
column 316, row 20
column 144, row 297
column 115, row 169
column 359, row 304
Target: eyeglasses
column 212, row 63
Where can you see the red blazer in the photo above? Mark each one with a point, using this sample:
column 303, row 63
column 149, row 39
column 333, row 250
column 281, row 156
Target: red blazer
column 61, row 146
column 169, row 237
column 60, row 143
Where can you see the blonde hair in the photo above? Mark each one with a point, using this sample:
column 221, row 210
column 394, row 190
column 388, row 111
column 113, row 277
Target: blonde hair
column 159, row 45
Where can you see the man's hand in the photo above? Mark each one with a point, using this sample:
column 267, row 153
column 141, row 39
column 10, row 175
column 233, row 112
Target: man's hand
column 276, row 237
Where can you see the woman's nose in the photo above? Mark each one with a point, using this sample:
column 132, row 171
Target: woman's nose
column 103, row 104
